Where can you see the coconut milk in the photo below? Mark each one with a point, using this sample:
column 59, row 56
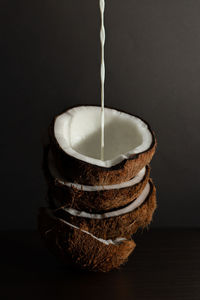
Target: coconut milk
column 102, row 38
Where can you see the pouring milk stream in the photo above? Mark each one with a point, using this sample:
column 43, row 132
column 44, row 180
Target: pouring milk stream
column 102, row 38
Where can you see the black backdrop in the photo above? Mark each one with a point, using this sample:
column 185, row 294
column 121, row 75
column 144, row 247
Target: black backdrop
column 50, row 54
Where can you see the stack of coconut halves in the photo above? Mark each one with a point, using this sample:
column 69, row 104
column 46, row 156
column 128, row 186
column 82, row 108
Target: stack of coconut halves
column 94, row 205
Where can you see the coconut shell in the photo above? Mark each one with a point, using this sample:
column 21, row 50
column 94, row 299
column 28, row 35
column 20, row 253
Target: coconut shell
column 83, row 249
column 93, row 201
column 78, row 171
column 110, row 228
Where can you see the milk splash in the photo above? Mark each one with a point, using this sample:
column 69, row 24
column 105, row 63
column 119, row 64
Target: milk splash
column 102, row 38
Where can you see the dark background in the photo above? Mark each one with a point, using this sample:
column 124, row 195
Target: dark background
column 50, row 60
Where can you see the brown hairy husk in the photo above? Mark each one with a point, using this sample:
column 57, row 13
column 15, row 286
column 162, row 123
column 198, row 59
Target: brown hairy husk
column 113, row 227
column 95, row 201
column 70, row 243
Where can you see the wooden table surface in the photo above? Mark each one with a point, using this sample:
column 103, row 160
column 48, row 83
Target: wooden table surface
column 165, row 265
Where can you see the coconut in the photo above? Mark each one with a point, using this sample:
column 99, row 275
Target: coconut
column 83, row 248
column 123, row 221
column 75, row 141
column 92, row 198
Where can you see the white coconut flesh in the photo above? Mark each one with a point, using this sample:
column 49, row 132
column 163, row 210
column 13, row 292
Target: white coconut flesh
column 89, row 188
column 78, row 133
column 106, row 242
column 127, row 209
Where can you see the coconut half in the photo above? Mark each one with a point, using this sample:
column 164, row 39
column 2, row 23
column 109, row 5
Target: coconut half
column 75, row 141
column 70, row 242
column 92, row 198
column 120, row 222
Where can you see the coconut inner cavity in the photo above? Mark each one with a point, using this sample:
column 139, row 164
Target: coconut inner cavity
column 78, row 132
